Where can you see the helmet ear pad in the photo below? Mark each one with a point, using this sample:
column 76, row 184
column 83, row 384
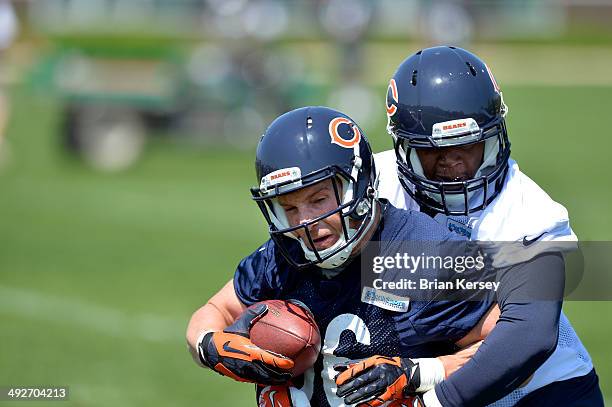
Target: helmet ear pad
column 415, row 163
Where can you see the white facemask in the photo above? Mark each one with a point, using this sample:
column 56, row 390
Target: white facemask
column 456, row 201
column 335, row 261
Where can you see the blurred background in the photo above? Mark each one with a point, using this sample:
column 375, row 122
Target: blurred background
column 127, row 135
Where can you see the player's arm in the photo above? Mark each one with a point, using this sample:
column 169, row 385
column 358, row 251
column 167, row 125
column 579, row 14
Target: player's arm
column 485, row 371
column 470, row 343
column 378, row 379
column 523, row 338
column 218, row 313
column 218, row 338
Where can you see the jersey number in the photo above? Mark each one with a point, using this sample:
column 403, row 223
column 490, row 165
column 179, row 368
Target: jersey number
column 344, row 322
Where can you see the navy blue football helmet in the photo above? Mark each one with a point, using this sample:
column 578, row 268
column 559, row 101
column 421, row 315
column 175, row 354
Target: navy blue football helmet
column 301, row 148
column 442, row 97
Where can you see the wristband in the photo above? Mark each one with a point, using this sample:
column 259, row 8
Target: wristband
column 201, row 355
column 431, row 372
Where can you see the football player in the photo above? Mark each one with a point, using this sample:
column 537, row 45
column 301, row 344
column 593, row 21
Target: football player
column 317, row 189
column 451, row 160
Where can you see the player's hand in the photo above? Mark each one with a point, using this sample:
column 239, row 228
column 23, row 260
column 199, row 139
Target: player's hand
column 375, row 381
column 231, row 353
column 281, row 396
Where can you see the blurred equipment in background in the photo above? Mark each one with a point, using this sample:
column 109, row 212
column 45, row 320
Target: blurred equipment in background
column 212, row 72
column 124, row 71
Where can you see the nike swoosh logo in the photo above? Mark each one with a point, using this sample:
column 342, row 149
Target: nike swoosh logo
column 228, row 348
column 527, row 242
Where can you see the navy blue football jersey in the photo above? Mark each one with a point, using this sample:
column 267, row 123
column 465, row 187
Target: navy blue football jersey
column 352, row 329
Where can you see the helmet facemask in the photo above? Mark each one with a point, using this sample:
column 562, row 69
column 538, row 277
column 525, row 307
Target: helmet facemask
column 353, row 206
column 460, row 197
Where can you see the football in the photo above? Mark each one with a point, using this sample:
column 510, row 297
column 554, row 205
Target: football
column 289, row 329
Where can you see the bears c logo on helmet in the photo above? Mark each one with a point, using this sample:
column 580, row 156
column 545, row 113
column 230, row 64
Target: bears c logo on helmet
column 336, row 138
column 392, row 108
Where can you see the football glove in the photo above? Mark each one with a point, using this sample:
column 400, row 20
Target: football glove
column 231, row 353
column 379, row 379
column 281, row 396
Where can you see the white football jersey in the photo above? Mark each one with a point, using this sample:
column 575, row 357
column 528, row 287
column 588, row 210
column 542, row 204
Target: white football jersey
column 521, row 210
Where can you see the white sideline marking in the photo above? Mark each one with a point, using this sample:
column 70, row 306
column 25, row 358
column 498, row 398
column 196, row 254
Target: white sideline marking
column 106, row 320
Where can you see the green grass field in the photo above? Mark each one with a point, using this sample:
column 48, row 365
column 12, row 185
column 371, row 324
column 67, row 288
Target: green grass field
column 99, row 273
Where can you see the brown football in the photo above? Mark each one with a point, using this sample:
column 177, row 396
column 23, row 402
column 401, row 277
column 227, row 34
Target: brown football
column 290, row 330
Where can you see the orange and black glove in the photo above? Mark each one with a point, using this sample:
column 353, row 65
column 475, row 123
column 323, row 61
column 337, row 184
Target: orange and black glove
column 231, row 353
column 376, row 380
